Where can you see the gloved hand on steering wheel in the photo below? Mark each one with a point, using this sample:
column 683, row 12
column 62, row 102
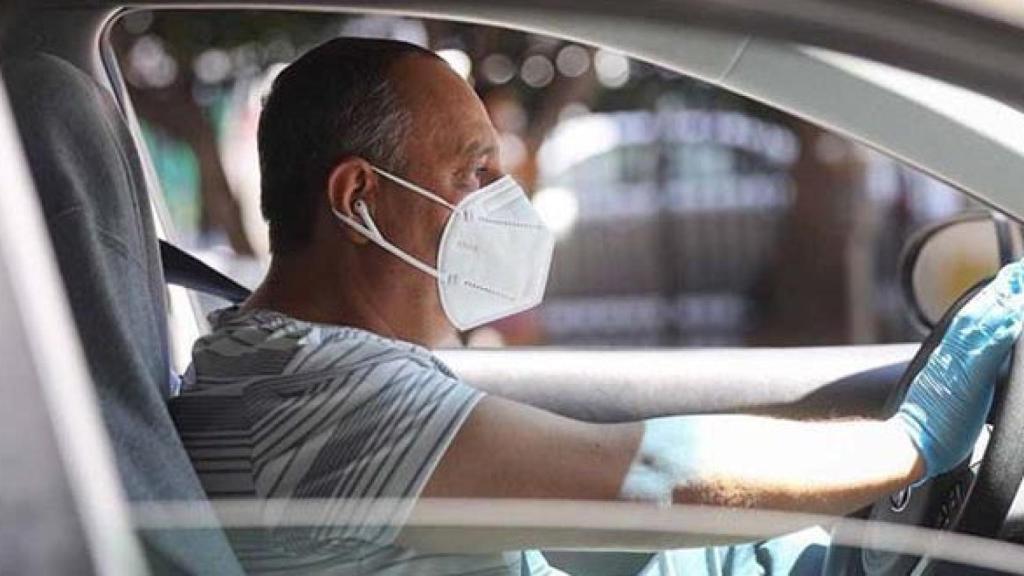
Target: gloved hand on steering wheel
column 949, row 399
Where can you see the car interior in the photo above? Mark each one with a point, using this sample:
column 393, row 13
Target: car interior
column 96, row 186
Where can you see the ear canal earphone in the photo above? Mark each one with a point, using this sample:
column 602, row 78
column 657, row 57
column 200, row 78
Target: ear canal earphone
column 363, row 210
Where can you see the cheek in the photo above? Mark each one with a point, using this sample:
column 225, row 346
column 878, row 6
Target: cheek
column 419, row 231
column 432, row 232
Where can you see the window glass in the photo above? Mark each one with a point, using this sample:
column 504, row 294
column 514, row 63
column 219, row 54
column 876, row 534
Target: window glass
column 685, row 215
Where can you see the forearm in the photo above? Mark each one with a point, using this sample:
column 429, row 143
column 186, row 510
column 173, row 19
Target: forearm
column 822, row 467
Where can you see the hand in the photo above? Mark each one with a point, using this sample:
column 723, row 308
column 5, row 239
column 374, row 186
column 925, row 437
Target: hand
column 948, row 400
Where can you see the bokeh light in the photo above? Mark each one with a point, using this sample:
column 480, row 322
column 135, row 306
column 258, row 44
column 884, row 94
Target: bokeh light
column 537, row 71
column 558, row 208
column 458, row 60
column 212, row 66
column 612, row 68
column 572, row 61
column 498, row 69
column 149, row 64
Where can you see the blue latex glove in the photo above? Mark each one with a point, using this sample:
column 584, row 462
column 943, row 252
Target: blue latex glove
column 948, row 401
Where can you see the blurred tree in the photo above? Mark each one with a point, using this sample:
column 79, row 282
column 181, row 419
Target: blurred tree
column 803, row 295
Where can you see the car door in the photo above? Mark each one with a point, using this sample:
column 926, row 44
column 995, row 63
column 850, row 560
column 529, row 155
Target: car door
column 721, row 380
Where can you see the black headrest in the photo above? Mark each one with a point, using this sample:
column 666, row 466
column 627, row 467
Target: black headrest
column 90, row 182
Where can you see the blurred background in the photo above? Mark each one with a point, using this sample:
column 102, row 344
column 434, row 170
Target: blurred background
column 685, row 215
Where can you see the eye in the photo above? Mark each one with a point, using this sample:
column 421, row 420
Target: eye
column 474, row 173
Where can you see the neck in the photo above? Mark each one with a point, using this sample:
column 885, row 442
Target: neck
column 315, row 289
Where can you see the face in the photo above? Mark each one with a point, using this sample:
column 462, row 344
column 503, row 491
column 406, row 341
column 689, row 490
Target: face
column 451, row 151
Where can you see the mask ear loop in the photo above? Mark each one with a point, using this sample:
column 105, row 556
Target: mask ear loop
column 369, row 229
column 413, row 187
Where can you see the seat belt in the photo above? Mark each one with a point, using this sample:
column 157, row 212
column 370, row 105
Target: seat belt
column 185, row 270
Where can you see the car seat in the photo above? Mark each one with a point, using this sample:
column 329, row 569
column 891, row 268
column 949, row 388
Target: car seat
column 93, row 194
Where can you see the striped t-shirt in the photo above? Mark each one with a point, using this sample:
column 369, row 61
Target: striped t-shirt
column 274, row 407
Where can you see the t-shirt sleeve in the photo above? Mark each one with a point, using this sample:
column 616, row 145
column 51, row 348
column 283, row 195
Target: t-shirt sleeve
column 356, row 447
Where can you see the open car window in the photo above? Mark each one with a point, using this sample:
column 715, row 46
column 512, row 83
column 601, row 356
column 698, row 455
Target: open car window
column 686, row 216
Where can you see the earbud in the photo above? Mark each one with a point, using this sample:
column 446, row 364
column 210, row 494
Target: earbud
column 364, row 212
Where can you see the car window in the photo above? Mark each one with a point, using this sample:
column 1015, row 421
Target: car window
column 685, row 215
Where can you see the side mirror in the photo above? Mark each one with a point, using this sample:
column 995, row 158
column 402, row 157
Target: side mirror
column 944, row 260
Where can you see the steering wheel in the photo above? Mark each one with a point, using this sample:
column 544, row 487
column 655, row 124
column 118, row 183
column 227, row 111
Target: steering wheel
column 976, row 497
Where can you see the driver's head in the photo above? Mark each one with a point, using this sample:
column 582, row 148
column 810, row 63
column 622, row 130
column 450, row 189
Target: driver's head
column 341, row 109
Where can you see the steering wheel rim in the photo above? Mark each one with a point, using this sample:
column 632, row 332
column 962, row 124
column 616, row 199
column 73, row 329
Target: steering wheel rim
column 986, row 504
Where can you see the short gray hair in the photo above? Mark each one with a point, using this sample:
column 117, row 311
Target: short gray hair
column 336, row 101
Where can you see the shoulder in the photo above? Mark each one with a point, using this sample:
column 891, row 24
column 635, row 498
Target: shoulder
column 340, row 348
column 262, row 344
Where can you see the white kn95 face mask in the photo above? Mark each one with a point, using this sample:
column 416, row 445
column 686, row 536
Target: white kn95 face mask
column 493, row 257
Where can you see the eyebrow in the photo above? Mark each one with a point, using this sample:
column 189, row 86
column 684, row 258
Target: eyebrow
column 478, row 147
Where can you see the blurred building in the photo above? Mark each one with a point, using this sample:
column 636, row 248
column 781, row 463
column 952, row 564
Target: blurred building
column 665, row 219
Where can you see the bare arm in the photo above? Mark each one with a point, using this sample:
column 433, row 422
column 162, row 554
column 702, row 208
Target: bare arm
column 749, row 461
column 509, row 450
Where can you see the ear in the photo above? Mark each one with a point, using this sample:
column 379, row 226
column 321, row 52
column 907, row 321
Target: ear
column 351, row 180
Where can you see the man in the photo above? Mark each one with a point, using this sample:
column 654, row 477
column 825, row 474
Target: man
column 391, row 224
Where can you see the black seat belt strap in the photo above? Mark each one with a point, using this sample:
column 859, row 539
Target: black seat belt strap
column 184, row 269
